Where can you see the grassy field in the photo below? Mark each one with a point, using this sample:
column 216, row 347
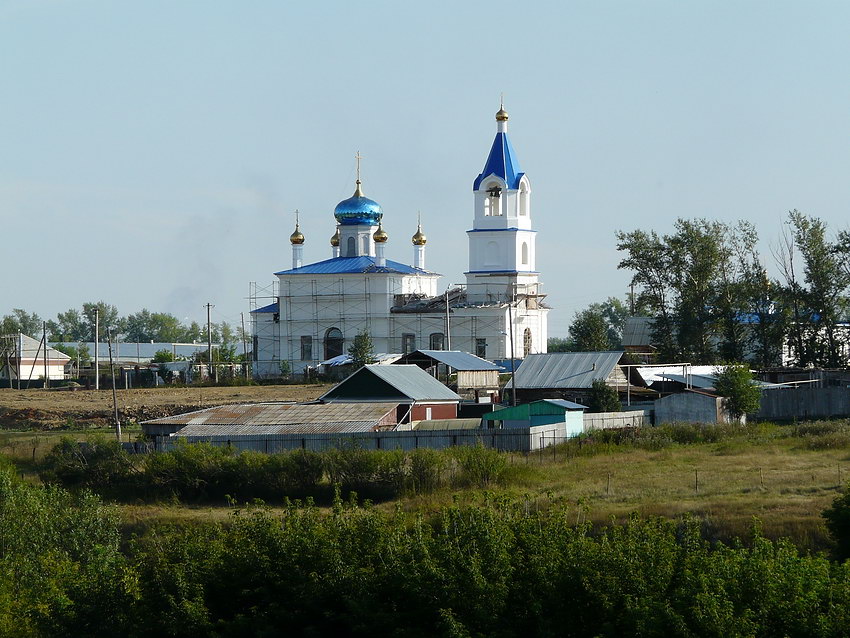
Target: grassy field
column 775, row 477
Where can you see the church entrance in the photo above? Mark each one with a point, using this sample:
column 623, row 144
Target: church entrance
column 333, row 343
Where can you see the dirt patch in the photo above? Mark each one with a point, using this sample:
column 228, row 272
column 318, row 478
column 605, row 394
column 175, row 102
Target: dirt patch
column 39, row 409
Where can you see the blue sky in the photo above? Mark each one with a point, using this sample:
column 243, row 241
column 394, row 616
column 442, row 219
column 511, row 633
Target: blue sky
column 152, row 152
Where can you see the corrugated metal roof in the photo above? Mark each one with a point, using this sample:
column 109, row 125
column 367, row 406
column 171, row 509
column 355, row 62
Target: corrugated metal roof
column 330, row 427
column 535, row 408
column 272, row 307
column 447, row 424
column 278, row 414
column 362, row 264
column 637, row 332
column 457, row 359
column 564, row 369
column 414, row 382
column 409, row 380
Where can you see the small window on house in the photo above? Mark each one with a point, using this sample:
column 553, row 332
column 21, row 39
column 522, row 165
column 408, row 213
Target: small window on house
column 526, row 342
column 481, row 348
column 428, row 413
column 437, row 341
column 408, row 342
column 306, row 348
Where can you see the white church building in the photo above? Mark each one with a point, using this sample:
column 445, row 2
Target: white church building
column 317, row 309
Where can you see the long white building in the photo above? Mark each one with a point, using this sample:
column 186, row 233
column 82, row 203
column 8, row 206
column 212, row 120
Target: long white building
column 319, row 308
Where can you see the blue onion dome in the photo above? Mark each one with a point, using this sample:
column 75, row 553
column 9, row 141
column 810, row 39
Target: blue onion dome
column 358, row 209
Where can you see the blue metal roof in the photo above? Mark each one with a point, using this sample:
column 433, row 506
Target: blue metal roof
column 362, row 264
column 501, row 162
column 272, row 307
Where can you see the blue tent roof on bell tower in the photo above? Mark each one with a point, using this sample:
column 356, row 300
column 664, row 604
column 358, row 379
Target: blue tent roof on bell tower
column 502, row 162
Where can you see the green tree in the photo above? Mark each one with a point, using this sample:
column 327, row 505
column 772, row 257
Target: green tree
column 361, row 350
column 70, row 326
column 837, row 518
column 560, row 344
column 74, row 351
column 163, row 356
column 735, row 384
column 603, row 398
column 589, row 332
column 20, row 320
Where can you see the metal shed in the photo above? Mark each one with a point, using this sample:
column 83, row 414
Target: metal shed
column 542, row 412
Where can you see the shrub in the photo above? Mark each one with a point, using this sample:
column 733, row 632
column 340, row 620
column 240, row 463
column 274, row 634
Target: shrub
column 99, row 464
column 480, row 466
column 837, row 518
column 426, row 470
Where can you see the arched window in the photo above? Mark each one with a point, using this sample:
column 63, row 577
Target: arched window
column 526, row 342
column 333, row 343
column 524, row 252
column 351, row 247
column 492, row 205
column 523, row 199
column 437, row 341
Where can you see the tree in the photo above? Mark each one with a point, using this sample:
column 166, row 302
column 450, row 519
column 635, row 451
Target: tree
column 603, row 398
column 159, row 327
column 108, row 319
column 560, row 344
column 163, row 356
column 735, row 384
column 70, row 326
column 589, row 332
column 20, row 320
column 838, row 523
column 361, row 350
column 74, row 351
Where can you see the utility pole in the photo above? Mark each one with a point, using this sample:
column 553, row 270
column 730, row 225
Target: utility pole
column 448, row 325
column 96, row 349
column 244, row 345
column 209, row 307
column 114, row 395
column 46, row 368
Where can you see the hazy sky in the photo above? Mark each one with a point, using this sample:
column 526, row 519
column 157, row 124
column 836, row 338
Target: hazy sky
column 152, row 153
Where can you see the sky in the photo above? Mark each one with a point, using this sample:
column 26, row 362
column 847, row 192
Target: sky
column 152, row 154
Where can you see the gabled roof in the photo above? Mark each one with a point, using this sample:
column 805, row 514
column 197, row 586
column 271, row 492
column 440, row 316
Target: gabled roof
column 28, row 348
column 502, row 162
column 392, row 383
column 456, row 359
column 362, row 264
column 565, row 369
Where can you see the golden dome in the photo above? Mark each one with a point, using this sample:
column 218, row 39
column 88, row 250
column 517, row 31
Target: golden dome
column 335, row 238
column 380, row 236
column 297, row 237
column 419, row 239
column 501, row 115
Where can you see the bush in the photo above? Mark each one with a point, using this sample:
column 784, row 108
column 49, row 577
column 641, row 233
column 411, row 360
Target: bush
column 480, row 466
column 837, row 518
column 426, row 470
column 99, row 464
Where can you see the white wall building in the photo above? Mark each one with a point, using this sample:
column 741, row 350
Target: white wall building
column 317, row 309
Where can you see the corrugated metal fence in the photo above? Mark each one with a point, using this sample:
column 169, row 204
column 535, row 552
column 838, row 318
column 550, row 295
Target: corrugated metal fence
column 508, row 439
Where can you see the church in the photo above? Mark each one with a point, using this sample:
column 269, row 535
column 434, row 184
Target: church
column 319, row 308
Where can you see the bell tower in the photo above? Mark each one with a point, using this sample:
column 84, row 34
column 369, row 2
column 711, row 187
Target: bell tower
column 501, row 241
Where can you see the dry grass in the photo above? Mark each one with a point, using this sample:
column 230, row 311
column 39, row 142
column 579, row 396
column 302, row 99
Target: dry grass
column 37, row 408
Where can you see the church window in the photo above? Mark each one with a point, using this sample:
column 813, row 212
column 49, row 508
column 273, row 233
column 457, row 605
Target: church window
column 333, row 343
column 492, row 201
column 408, row 342
column 437, row 341
column 481, row 348
column 351, row 247
column 526, row 342
column 306, row 348
column 523, row 199
column 524, row 251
